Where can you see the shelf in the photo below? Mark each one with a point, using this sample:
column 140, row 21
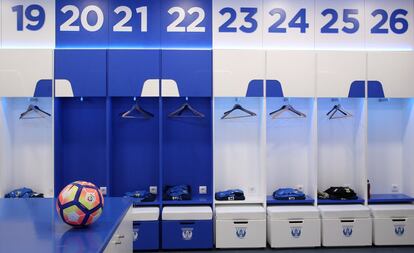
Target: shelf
column 340, row 202
column 307, row 201
column 390, row 199
column 197, row 200
column 253, row 200
column 138, row 204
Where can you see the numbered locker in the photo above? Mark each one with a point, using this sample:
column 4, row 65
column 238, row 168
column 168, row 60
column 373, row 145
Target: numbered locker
column 81, row 24
column 346, row 225
column 186, row 73
column 240, row 226
column 187, row 227
column 26, row 72
column 28, row 24
column 393, row 224
column 239, row 73
column 134, row 24
column 390, row 74
column 134, row 73
column 293, row 226
column 186, row 24
column 340, row 24
column 290, row 74
column 145, row 227
column 80, row 73
column 389, row 24
column 288, row 24
column 341, row 74
column 237, row 24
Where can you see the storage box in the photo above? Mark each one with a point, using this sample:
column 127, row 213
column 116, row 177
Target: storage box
column 293, row 226
column 346, row 225
column 187, row 227
column 240, row 226
column 145, row 227
column 393, row 224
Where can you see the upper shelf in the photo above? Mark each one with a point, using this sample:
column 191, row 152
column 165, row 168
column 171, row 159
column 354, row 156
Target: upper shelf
column 390, row 199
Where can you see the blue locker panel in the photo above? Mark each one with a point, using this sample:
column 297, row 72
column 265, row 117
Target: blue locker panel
column 129, row 69
column 134, row 147
column 80, row 141
column 187, row 234
column 146, row 235
column 84, row 69
column 44, row 88
column 186, row 24
column 187, row 148
column 191, row 69
column 375, row 89
column 134, row 24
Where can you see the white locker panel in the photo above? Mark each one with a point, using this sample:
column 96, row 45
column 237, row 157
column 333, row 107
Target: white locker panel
column 340, row 24
column 336, row 71
column 280, row 21
column 233, row 70
column 295, row 70
column 389, row 24
column 237, row 23
column 395, row 72
column 22, row 69
column 28, row 24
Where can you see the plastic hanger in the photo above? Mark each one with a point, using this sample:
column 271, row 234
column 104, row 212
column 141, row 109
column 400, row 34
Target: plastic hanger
column 338, row 108
column 240, row 108
column 136, row 108
column 286, row 108
column 35, row 109
column 186, row 107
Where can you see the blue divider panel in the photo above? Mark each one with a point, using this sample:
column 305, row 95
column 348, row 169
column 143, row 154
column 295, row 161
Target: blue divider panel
column 135, row 147
column 191, row 69
column 274, row 89
column 187, row 147
column 85, row 69
column 375, row 89
column 129, row 69
column 80, row 141
column 44, row 88
column 357, row 89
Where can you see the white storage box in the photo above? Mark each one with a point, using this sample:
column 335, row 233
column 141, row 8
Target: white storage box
column 145, row 227
column 393, row 224
column 145, row 213
column 240, row 226
column 187, row 213
column 346, row 225
column 293, row 226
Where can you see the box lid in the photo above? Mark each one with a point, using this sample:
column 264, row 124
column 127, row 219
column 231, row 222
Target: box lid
column 187, row 213
column 344, row 211
column 292, row 212
column 145, row 213
column 240, row 212
column 392, row 211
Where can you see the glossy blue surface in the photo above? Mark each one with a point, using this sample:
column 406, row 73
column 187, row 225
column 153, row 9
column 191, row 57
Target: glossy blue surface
column 390, row 198
column 33, row 225
column 308, row 201
column 340, row 202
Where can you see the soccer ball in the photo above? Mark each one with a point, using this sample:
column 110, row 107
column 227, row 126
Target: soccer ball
column 80, row 204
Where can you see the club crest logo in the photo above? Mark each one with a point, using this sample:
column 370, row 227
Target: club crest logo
column 241, row 232
column 399, row 230
column 136, row 234
column 347, row 231
column 187, row 233
column 296, row 231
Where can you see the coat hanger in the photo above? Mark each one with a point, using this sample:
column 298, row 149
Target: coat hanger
column 240, row 108
column 285, row 108
column 34, row 109
column 131, row 114
column 186, row 107
column 338, row 108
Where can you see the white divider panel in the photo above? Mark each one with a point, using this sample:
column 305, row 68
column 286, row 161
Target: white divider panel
column 288, row 24
column 22, row 69
column 233, row 70
column 291, row 142
column 1, row 25
column 340, row 24
column 295, row 70
column 341, row 146
column 239, row 149
column 389, row 24
column 28, row 24
column 390, row 139
column 337, row 70
column 28, row 147
column 237, row 23
column 394, row 70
